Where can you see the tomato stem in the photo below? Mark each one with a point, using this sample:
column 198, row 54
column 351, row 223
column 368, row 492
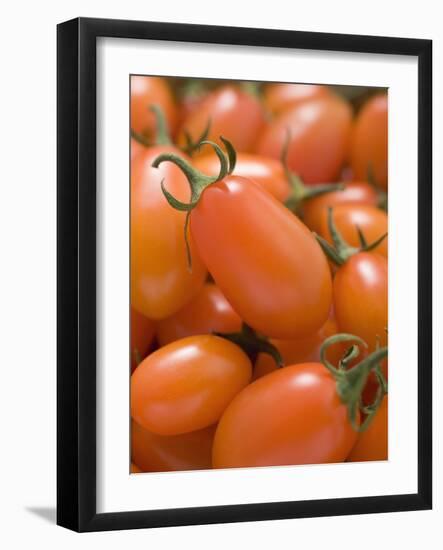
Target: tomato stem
column 194, row 145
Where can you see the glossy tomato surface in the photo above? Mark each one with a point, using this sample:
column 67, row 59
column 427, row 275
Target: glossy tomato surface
column 142, row 334
column 186, row 385
column 208, row 312
column 267, row 172
column 280, row 96
column 369, row 141
column 161, row 282
column 361, row 297
column 145, row 92
column 372, row 444
column 160, row 453
column 263, row 258
column 234, row 114
column 319, row 141
column 291, row 416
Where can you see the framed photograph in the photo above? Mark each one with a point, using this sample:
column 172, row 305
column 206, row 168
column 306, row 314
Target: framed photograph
column 244, row 217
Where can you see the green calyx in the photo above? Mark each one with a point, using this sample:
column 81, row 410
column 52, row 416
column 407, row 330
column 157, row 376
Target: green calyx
column 198, row 181
column 162, row 137
column 252, row 344
column 299, row 192
column 194, row 145
column 382, row 196
column 341, row 251
column 351, row 381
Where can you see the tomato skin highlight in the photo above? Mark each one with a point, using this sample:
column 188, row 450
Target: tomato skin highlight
column 147, row 91
column 186, row 385
column 372, row 444
column 315, row 210
column 161, row 282
column 159, row 453
column 234, row 114
column 264, row 259
column 319, row 138
column 142, row 335
column 291, row 416
column 208, row 312
column 278, row 97
column 267, row 172
column 361, row 297
column 369, row 141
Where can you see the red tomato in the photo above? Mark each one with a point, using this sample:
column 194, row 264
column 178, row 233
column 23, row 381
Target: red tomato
column 267, row 172
column 186, row 385
column 161, row 282
column 147, row 91
column 291, row 416
column 300, row 350
column 208, row 312
column 319, row 138
column 372, row 444
column 136, row 148
column 369, row 141
column 372, row 221
column 279, row 96
column 142, row 334
column 315, row 210
column 264, row 259
column 234, row 114
column 159, row 453
column 361, row 297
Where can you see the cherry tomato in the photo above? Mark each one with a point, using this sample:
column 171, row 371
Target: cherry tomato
column 160, row 453
column 291, row 416
column 315, row 210
column 263, row 258
column 319, row 138
column 369, row 141
column 234, row 114
column 142, row 334
column 372, row 221
column 208, row 312
column 186, row 385
column 136, row 148
column 146, row 91
column 267, row 172
column 161, row 282
column 279, row 96
column 300, row 350
column 361, row 297
column 372, row 444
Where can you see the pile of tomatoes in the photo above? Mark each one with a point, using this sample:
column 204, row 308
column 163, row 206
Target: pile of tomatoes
column 258, row 275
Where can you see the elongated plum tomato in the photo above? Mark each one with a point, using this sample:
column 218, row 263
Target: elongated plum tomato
column 369, row 141
column 208, row 312
column 267, row 172
column 291, row 416
column 233, row 113
column 372, row 444
column 186, row 385
column 319, row 132
column 315, row 210
column 280, row 96
column 164, row 453
column 147, row 91
column 361, row 297
column 372, row 221
column 161, row 282
column 142, row 334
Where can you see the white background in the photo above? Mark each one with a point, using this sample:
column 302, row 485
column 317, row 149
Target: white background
column 27, row 299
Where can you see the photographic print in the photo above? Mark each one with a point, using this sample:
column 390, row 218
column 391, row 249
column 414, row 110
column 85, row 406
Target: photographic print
column 259, row 274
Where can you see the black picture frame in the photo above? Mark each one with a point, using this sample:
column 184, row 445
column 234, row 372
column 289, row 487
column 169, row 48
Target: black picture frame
column 76, row 267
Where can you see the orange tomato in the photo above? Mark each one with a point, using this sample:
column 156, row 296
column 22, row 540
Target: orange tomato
column 291, row 416
column 319, row 138
column 372, row 444
column 279, row 96
column 136, row 148
column 161, row 282
column 369, row 141
column 208, row 312
column 142, row 334
column 147, row 91
column 186, row 385
column 159, row 453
